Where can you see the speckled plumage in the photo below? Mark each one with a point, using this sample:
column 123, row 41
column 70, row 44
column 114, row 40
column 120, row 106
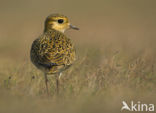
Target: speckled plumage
column 52, row 52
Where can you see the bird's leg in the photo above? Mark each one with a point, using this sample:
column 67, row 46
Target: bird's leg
column 46, row 83
column 57, row 83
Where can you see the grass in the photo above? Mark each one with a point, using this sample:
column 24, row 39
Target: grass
column 96, row 82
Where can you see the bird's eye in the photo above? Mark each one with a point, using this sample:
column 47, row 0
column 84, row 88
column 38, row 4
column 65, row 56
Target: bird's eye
column 60, row 21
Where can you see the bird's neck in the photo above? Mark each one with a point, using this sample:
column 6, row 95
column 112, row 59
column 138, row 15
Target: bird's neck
column 51, row 29
column 46, row 29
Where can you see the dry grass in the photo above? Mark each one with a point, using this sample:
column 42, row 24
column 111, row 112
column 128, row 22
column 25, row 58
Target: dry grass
column 116, row 59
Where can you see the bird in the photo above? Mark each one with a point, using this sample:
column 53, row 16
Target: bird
column 53, row 52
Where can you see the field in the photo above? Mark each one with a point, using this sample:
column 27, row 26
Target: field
column 116, row 56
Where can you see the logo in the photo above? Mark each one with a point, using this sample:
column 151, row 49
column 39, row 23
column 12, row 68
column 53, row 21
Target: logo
column 137, row 106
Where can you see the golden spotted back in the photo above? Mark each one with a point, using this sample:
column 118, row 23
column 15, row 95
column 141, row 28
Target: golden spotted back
column 52, row 52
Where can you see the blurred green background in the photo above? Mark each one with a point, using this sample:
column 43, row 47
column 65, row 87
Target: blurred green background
column 115, row 47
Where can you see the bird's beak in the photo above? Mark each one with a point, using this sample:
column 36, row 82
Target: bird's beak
column 73, row 27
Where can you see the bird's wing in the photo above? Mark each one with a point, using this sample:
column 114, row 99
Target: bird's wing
column 54, row 49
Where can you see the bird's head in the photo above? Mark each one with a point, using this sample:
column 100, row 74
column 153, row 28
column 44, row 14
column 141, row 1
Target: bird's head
column 58, row 22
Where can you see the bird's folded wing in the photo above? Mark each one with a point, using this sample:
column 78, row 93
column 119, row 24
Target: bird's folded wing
column 50, row 54
column 54, row 58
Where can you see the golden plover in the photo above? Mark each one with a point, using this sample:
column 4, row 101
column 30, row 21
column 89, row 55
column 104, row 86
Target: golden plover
column 53, row 51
